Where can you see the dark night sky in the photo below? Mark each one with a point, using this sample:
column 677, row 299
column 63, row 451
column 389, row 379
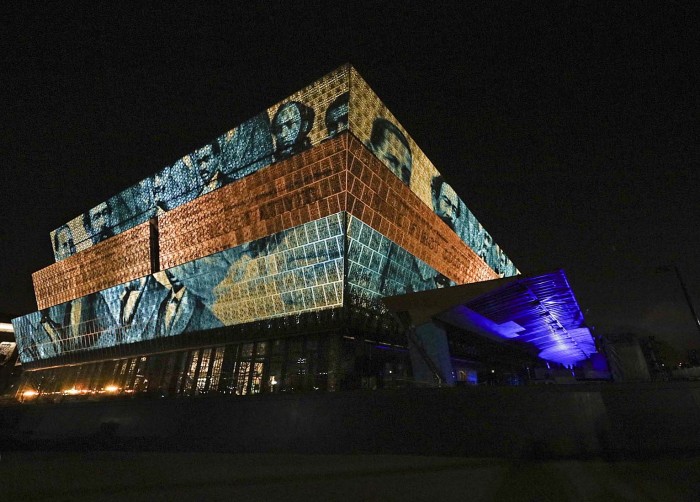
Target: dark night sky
column 569, row 130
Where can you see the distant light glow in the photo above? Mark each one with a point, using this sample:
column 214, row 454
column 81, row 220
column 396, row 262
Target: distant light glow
column 111, row 388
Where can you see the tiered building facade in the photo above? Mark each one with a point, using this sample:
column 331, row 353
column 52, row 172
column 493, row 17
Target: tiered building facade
column 258, row 262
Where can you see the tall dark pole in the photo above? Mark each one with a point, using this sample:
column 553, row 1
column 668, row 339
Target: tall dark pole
column 687, row 298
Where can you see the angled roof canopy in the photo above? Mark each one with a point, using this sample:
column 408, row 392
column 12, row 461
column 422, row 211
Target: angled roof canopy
column 538, row 311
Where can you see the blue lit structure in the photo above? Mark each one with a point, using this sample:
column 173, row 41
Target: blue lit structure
column 539, row 313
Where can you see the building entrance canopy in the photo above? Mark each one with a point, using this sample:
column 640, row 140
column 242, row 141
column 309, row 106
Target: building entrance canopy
column 539, row 311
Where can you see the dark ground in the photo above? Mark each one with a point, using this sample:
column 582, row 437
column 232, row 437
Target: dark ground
column 560, row 442
column 221, row 476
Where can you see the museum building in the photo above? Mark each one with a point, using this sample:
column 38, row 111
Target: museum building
column 261, row 263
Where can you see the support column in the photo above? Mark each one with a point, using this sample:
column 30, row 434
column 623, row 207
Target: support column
column 430, row 355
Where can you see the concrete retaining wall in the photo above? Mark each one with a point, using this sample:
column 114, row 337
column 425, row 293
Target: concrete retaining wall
column 547, row 421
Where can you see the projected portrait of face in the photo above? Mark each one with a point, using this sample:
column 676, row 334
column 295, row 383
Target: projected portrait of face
column 166, row 303
column 173, row 186
column 337, row 115
column 181, row 309
column 445, row 202
column 63, row 243
column 290, row 128
column 391, row 147
column 97, row 223
column 208, row 164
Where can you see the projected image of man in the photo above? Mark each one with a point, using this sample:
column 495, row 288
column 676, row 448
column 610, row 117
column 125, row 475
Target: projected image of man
column 63, row 243
column 176, row 185
column 97, row 223
column 337, row 115
column 290, row 128
column 390, row 146
column 207, row 161
column 445, row 202
column 160, row 305
column 181, row 310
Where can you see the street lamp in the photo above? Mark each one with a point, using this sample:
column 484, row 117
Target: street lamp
column 685, row 293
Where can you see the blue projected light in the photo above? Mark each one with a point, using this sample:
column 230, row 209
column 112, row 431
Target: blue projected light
column 539, row 311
